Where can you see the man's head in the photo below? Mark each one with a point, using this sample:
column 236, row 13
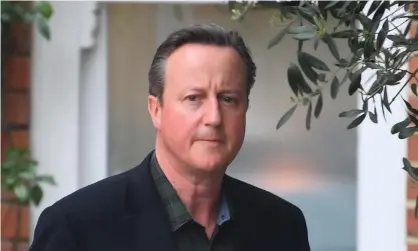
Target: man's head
column 199, row 83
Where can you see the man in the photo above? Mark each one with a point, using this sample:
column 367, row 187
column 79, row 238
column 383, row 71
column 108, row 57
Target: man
column 179, row 197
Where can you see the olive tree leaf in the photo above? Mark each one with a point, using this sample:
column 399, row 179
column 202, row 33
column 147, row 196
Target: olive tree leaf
column 297, row 81
column 308, row 28
column 356, row 121
column 318, row 107
column 385, row 101
column 396, row 128
column 305, row 36
column 407, row 132
column 355, row 84
column 413, row 172
column 293, row 78
column 307, row 13
column 308, row 117
column 396, row 38
column 286, row 117
column 382, row 35
column 373, row 116
column 365, row 21
column 307, row 69
column 374, row 66
column 335, row 86
column 410, row 108
column 331, row 4
column 373, row 7
column 332, row 46
column 313, row 61
column 350, row 113
column 276, row 39
column 343, row 34
column 316, row 43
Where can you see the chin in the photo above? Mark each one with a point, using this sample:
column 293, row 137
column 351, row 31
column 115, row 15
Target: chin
column 210, row 162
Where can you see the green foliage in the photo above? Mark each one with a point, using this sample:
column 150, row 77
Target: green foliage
column 18, row 11
column 18, row 174
column 18, row 170
column 306, row 22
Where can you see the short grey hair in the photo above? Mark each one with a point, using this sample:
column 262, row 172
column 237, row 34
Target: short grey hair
column 208, row 34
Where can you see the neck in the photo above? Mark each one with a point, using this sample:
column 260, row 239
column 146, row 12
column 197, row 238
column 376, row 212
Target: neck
column 200, row 193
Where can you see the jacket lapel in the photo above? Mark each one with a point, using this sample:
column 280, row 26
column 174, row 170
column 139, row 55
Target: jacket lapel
column 147, row 225
column 244, row 222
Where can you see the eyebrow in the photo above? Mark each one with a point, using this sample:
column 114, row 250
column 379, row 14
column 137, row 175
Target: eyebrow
column 231, row 91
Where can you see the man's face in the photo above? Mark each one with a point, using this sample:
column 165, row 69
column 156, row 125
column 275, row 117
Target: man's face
column 202, row 120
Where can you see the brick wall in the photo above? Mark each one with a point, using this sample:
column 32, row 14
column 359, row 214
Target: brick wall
column 15, row 118
column 412, row 222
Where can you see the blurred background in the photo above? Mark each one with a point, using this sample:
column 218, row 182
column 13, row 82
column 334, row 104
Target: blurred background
column 78, row 102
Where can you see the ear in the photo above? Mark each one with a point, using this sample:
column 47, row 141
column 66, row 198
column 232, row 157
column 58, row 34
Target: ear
column 154, row 109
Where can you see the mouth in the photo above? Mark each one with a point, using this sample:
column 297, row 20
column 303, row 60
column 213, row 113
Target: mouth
column 211, row 140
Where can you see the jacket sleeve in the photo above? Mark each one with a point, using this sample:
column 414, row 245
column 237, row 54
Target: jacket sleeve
column 52, row 233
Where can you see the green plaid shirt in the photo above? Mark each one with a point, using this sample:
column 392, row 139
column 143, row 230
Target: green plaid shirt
column 190, row 235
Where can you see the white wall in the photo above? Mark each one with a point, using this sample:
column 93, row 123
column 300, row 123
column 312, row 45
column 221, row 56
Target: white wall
column 68, row 101
column 381, row 181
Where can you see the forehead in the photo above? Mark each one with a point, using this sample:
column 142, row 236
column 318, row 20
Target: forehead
column 205, row 61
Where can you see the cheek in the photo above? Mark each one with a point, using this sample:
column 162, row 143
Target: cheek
column 177, row 126
column 235, row 127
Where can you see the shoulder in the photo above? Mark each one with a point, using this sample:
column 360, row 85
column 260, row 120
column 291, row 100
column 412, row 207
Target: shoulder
column 104, row 197
column 270, row 213
column 262, row 201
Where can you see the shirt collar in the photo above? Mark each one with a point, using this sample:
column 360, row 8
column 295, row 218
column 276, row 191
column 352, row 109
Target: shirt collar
column 177, row 212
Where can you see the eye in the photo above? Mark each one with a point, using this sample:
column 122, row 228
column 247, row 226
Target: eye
column 227, row 99
column 191, row 98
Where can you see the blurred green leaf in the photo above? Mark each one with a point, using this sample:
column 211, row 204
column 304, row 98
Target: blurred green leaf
column 21, row 192
column 45, row 9
column 44, row 28
column 46, row 179
column 36, row 194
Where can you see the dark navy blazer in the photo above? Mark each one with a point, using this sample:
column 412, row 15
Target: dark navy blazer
column 124, row 213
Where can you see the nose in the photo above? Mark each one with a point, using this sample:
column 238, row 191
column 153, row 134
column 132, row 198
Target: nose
column 212, row 113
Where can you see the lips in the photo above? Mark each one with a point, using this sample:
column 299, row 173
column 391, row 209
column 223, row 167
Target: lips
column 211, row 140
